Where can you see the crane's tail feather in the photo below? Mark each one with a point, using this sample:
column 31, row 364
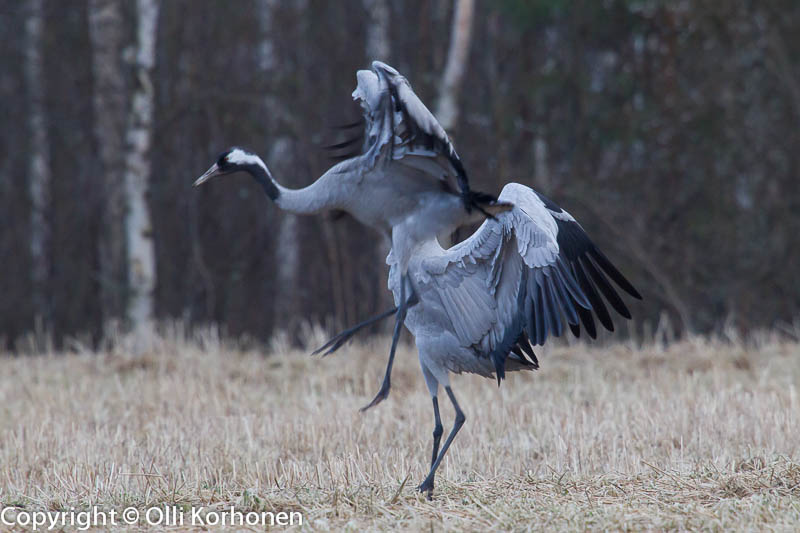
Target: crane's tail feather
column 486, row 204
column 357, row 124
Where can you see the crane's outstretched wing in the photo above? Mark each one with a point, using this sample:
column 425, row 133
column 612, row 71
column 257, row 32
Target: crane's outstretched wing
column 399, row 127
column 400, row 131
column 521, row 277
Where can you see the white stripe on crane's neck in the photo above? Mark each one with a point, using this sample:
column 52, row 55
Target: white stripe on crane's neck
column 237, row 156
column 325, row 193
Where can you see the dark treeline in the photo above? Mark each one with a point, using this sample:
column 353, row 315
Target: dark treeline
column 670, row 129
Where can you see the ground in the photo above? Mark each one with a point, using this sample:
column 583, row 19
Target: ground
column 698, row 435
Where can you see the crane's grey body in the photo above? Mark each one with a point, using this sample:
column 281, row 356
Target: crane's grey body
column 382, row 197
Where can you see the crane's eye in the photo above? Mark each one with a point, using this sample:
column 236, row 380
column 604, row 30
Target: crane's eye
column 222, row 161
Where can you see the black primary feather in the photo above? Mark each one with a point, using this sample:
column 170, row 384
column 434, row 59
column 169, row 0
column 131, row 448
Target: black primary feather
column 344, row 144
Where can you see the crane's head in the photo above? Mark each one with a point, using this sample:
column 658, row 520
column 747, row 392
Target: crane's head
column 230, row 161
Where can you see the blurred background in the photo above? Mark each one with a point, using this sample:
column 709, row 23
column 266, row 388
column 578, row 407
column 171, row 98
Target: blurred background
column 668, row 128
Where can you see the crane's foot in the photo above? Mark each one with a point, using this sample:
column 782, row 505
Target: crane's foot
column 382, row 395
column 427, row 486
column 336, row 342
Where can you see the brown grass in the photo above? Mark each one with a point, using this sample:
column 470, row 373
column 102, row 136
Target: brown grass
column 700, row 435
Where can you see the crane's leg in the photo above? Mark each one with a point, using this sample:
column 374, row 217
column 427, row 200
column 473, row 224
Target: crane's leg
column 427, row 485
column 400, row 317
column 433, row 388
column 438, row 429
column 338, row 340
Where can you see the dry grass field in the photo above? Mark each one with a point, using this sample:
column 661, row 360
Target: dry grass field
column 698, row 435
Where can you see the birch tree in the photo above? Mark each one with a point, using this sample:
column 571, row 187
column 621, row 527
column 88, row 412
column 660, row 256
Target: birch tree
column 378, row 46
column 457, row 55
column 106, row 31
column 138, row 227
column 39, row 163
column 286, row 303
column 287, row 249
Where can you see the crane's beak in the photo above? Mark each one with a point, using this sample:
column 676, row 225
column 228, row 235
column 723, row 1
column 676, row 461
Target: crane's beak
column 210, row 173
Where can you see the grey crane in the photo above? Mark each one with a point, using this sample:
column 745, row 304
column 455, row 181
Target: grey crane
column 528, row 272
column 406, row 180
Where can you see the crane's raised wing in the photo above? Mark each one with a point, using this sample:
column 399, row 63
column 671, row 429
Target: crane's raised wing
column 521, row 277
column 400, row 130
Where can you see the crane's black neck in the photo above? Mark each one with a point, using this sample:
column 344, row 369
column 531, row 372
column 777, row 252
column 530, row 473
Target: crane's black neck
column 262, row 176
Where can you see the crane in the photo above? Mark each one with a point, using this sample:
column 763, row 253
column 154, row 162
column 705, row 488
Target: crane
column 529, row 272
column 406, row 180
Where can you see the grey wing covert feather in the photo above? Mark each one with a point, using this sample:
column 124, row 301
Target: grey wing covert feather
column 521, row 277
column 401, row 130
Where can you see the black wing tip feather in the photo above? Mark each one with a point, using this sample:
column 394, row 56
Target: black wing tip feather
column 598, row 306
column 605, row 287
column 343, row 144
column 343, row 157
column 587, row 319
column 352, row 145
column 612, row 271
column 524, row 343
column 350, row 125
column 592, row 270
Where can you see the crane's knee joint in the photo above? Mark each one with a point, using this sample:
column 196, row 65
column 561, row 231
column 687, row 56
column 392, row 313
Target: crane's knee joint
column 437, row 431
column 460, row 419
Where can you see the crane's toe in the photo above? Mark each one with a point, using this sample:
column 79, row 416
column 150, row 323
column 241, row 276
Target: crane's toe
column 427, row 486
column 382, row 395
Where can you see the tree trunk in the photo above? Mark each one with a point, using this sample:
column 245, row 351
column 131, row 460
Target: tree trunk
column 106, row 30
column 39, row 165
column 138, row 228
column 460, row 39
column 285, row 304
column 541, row 172
column 378, row 44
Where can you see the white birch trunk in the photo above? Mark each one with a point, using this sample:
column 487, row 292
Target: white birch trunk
column 267, row 61
column 138, row 228
column 106, row 30
column 378, row 44
column 460, row 39
column 287, row 249
column 541, row 172
column 285, row 305
column 39, row 166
